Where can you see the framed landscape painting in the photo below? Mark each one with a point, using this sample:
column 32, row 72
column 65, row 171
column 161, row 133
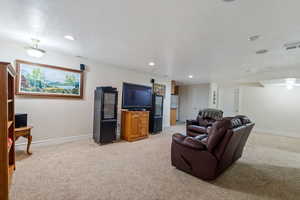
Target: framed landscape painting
column 48, row 81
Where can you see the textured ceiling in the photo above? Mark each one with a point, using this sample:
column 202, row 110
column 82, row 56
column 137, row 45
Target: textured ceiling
column 204, row 38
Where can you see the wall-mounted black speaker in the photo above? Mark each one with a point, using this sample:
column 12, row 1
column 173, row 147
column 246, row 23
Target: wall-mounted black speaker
column 82, row 67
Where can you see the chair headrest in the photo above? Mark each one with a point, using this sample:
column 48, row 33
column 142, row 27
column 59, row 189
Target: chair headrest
column 211, row 113
column 218, row 130
column 244, row 119
column 234, row 122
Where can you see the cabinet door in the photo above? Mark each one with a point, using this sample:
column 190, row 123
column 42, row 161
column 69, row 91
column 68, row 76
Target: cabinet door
column 134, row 126
column 144, row 131
column 109, row 105
column 108, row 131
column 158, row 110
column 143, row 124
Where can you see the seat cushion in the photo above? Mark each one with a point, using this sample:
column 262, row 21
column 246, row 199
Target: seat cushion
column 201, row 137
column 192, row 133
column 204, row 141
column 205, row 122
column 198, row 129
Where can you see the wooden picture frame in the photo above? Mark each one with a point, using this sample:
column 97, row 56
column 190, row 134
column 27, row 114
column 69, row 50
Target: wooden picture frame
column 34, row 79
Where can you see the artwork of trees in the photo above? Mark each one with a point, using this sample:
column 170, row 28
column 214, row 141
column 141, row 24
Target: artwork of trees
column 43, row 80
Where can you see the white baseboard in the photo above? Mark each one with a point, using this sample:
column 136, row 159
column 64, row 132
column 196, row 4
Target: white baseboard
column 278, row 133
column 55, row 141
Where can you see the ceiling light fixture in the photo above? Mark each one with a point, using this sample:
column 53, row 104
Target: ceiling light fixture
column 34, row 50
column 69, row 37
column 191, row 76
column 151, row 64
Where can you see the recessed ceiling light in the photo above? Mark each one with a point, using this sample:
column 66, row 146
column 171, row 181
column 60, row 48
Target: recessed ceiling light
column 262, row 51
column 253, row 38
column 191, row 76
column 228, row 0
column 69, row 37
column 151, row 64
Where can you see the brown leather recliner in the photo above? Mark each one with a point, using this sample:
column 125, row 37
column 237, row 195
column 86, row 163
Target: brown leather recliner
column 207, row 157
column 204, row 121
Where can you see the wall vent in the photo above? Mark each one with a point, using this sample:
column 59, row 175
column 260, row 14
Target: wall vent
column 291, row 46
column 262, row 51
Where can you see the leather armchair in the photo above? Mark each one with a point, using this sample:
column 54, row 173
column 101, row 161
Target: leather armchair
column 204, row 121
column 206, row 157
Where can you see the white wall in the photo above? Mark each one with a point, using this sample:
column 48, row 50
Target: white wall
column 228, row 100
column 275, row 110
column 192, row 98
column 55, row 118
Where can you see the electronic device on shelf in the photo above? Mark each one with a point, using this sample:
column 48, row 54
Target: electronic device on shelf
column 105, row 115
column 136, row 97
column 20, row 120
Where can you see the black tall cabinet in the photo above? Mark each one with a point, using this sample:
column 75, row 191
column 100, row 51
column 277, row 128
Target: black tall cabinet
column 156, row 115
column 105, row 115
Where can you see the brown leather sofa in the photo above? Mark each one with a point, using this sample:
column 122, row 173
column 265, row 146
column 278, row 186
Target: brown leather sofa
column 206, row 157
column 204, row 121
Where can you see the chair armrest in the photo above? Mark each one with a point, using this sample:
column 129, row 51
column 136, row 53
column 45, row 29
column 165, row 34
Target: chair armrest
column 194, row 143
column 189, row 142
column 192, row 122
column 178, row 137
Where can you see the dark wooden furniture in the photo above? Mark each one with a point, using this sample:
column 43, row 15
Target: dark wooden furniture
column 7, row 126
column 135, row 125
column 156, row 114
column 105, row 115
column 26, row 133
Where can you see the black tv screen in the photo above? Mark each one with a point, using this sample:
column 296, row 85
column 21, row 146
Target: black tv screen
column 136, row 96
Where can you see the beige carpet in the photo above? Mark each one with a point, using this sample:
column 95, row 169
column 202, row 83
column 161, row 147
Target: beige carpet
column 83, row 170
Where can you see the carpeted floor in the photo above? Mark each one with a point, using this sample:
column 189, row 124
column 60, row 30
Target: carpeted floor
column 83, row 170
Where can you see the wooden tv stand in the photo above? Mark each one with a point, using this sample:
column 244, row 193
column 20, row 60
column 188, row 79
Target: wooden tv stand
column 135, row 125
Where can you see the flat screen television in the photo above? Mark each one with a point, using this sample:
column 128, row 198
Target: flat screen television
column 136, row 96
